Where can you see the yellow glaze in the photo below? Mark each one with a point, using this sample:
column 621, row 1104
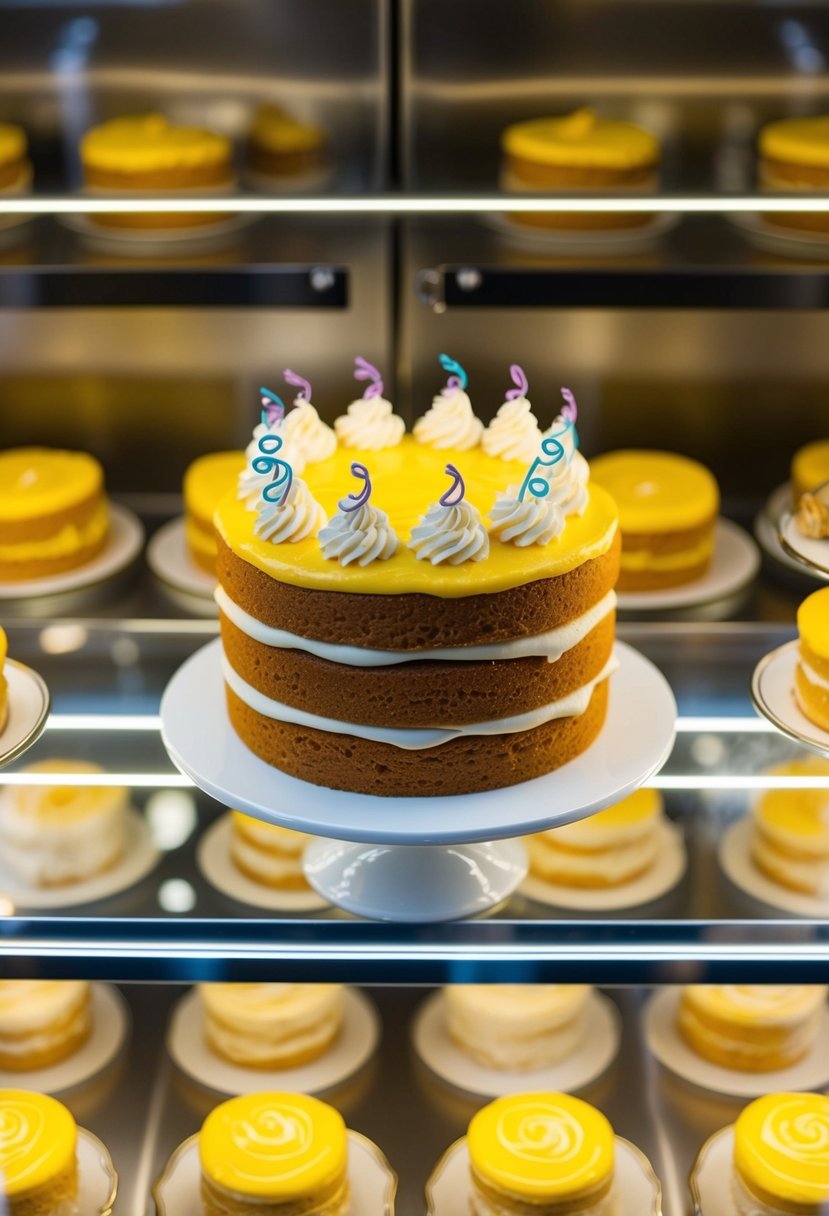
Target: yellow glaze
column 643, row 559
column 781, row 1149
column 276, row 1146
column 542, row 1146
column 278, row 131
column 657, row 491
column 208, row 479
column 757, row 1004
column 583, row 140
column 813, row 622
column 810, row 464
column 42, row 481
column 407, row 479
column 68, row 540
column 4, row 688
column 59, row 805
column 800, row 141
column 802, row 813
column 637, row 808
column 13, row 144
column 38, row 1137
column 144, row 143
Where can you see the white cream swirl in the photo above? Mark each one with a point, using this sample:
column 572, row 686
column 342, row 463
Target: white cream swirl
column 514, row 433
column 305, row 430
column 450, row 423
column 453, row 534
column 363, row 536
column 251, row 484
column 300, row 515
column 370, row 424
column 535, row 521
column 565, row 432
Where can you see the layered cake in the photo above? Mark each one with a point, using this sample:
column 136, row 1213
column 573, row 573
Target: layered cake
column 543, row 1152
column 794, row 157
column 790, row 836
column 579, row 152
column 54, row 835
column 668, row 507
column 276, row 1154
column 282, row 148
column 271, row 1025
column 516, row 1027
column 811, row 677
column 53, row 512
column 15, row 166
column 781, row 1155
column 38, row 1154
column 206, row 481
column 411, row 647
column 614, row 847
column 42, row 1022
column 752, row 1028
column 4, row 684
column 268, row 854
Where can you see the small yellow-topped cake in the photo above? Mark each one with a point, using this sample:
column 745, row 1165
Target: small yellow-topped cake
column 38, row 1154
column 206, row 481
column 608, row 849
column 668, row 507
column 539, row 1152
column 516, row 1026
column 810, row 468
column 579, row 151
column 281, row 146
column 42, row 1021
column 4, row 684
column 15, row 166
column 750, row 1027
column 781, row 1155
column 276, row 1153
column 811, row 677
column 790, row 837
column 53, row 512
column 794, row 156
column 271, row 1025
column 269, row 854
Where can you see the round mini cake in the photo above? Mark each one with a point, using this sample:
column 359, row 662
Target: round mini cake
column 15, row 166
column 794, row 156
column 810, row 468
column 42, row 1022
column 271, row 1025
column 206, row 481
column 790, row 840
column 38, row 1147
column 516, row 1027
column 752, row 1028
column 53, row 512
column 668, row 507
column 811, row 677
column 269, row 854
column 274, row 1152
column 539, row 1152
column 282, row 147
column 408, row 648
column 781, row 1155
column 606, row 850
column 579, row 151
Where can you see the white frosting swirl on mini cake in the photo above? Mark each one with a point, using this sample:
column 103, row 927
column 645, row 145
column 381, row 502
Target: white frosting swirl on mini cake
column 450, row 423
column 535, row 521
column 370, row 425
column 300, row 515
column 453, row 534
column 251, row 484
column 363, row 535
column 305, row 430
column 514, row 433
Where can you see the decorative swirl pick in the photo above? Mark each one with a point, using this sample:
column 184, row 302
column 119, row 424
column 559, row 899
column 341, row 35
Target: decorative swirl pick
column 570, row 410
column 273, row 407
column 367, row 371
column 298, row 382
column 457, row 487
column 362, row 496
column 458, row 377
column 519, row 380
column 539, row 486
column 283, row 474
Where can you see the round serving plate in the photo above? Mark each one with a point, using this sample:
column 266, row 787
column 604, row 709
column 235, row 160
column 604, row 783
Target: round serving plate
column 27, row 710
column 581, row 242
column 734, row 854
column 734, row 565
column 811, row 553
column 157, row 242
column 712, row 1178
column 767, row 533
column 775, row 238
column 772, row 691
column 169, row 559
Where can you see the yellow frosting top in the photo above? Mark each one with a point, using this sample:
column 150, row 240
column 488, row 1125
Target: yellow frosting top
column 638, row 807
column 797, row 812
column 208, row 479
column 781, row 1148
column 406, row 480
column 810, row 464
column 801, row 141
column 283, row 1147
column 657, row 491
column 757, row 1004
column 13, row 143
column 42, row 481
column 277, row 130
column 813, row 622
column 38, row 1137
column 143, row 143
column 542, row 1146
column 583, row 140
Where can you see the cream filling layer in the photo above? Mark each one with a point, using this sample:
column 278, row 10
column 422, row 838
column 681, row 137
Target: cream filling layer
column 272, row 867
column 43, row 1040
column 812, row 676
column 69, row 539
column 252, row 1049
column 797, row 1041
column 551, row 645
column 571, row 706
column 810, row 876
column 610, row 866
column 28, row 1007
column 644, row 559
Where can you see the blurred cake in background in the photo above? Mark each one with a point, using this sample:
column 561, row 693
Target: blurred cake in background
column 794, row 157
column 38, row 1155
column 15, row 166
column 267, row 853
column 206, row 481
column 809, row 469
column 271, row 1025
column 283, row 149
column 752, row 1028
column 42, row 1022
column 811, row 677
column 516, row 1027
column 790, row 836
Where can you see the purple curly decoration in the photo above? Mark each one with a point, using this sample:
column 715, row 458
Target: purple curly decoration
column 355, row 501
column 273, row 407
column 457, row 487
column 298, row 382
column 518, row 379
column 367, row 371
column 570, row 410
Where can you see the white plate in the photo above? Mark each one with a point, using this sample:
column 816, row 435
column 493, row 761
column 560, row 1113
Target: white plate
column 734, row 564
column 151, row 241
column 810, row 553
column 595, row 1053
column 774, row 238
column 765, row 530
column 712, row 1177
column 582, row 242
column 636, row 1189
column 353, row 1047
column 140, row 857
column 635, row 741
column 772, row 691
column 110, row 1023
column 668, row 1046
column 312, row 181
column 97, row 1179
column 667, row 869
column 126, row 537
column 169, row 559
column 734, row 852
column 28, row 708
column 216, row 864
column 371, row 1180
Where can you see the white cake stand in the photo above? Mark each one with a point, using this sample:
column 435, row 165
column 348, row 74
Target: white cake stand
column 430, row 858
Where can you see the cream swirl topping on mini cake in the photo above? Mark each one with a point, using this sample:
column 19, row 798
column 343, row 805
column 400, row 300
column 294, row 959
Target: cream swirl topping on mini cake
column 450, row 423
column 359, row 532
column 292, row 517
column 514, row 433
column 303, row 428
column 451, row 530
column 369, row 422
